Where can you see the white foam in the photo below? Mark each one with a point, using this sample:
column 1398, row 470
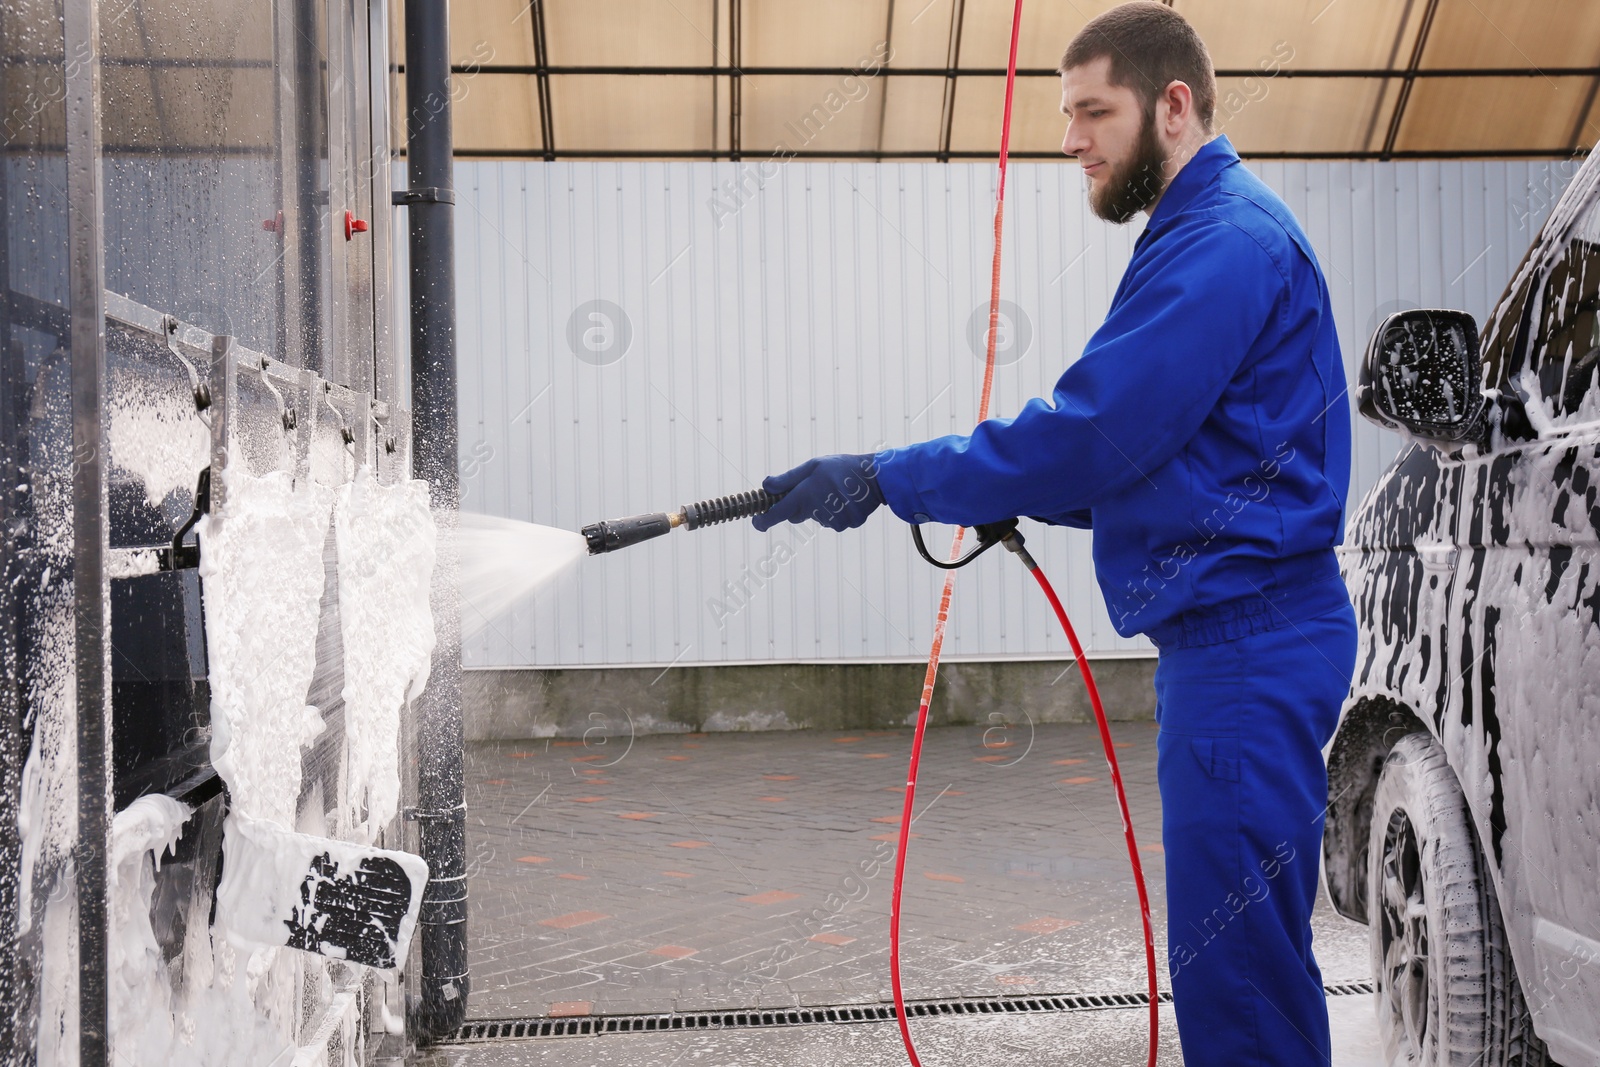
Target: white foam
column 387, row 543
column 58, row 976
column 261, row 565
column 200, row 1009
column 132, row 563
column 156, row 436
column 504, row 560
column 47, row 817
column 140, row 994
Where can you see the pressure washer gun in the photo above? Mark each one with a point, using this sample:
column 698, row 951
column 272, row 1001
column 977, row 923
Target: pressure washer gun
column 612, row 534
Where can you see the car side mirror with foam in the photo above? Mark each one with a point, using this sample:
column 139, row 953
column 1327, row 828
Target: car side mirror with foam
column 1421, row 377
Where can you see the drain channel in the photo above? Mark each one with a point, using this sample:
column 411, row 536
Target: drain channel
column 752, row 1018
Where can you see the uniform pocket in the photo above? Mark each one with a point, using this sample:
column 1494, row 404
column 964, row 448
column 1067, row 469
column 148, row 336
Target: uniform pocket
column 1219, row 756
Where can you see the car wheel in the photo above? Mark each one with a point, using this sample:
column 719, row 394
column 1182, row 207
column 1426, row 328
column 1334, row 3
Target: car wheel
column 1446, row 992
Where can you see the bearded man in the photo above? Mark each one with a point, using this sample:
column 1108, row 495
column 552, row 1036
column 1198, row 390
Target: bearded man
column 1204, row 437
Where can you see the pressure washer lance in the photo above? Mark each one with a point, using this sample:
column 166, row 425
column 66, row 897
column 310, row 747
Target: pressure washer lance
column 620, row 533
column 613, row 534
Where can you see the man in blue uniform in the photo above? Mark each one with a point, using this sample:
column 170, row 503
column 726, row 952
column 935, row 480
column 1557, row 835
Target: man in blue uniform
column 1204, row 437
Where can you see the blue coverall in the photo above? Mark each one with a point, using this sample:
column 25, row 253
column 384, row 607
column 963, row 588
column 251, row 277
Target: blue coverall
column 1204, row 436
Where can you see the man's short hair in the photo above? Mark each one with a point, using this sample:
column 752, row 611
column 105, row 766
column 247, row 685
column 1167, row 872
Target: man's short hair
column 1150, row 47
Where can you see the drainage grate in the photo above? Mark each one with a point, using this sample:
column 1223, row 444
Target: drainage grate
column 745, row 1019
column 1348, row 989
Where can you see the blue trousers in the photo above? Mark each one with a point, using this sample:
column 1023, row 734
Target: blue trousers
column 1244, row 791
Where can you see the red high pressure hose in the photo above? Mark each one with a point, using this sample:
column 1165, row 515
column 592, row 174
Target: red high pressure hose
column 938, row 643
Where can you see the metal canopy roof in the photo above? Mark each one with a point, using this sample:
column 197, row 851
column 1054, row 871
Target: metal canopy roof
column 729, row 79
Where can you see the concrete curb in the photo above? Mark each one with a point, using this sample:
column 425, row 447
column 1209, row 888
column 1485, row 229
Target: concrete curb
column 515, row 704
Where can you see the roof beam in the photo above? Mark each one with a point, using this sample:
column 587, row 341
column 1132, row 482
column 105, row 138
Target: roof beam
column 716, row 35
column 952, row 72
column 541, row 53
column 736, row 79
column 1577, row 138
column 934, row 155
column 1394, row 57
column 711, row 70
column 1410, row 79
column 883, row 90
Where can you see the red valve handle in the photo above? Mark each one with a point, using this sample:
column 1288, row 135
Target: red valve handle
column 353, row 225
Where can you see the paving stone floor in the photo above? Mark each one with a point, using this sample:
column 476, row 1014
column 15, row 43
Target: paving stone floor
column 695, row 872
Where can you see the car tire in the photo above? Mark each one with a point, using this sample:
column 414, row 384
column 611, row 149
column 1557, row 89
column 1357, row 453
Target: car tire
column 1446, row 991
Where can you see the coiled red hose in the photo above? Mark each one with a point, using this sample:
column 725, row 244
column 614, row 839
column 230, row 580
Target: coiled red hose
column 943, row 617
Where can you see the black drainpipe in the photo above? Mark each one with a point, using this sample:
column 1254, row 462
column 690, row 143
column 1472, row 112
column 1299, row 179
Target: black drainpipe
column 441, row 807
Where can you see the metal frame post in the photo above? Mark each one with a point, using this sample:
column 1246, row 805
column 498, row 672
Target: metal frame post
column 380, row 180
column 91, row 595
column 441, row 806
column 305, row 327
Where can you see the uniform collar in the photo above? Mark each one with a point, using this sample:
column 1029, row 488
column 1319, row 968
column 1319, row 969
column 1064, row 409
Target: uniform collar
column 1212, row 159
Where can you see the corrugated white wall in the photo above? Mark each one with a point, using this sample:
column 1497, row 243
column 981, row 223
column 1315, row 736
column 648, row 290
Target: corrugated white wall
column 825, row 307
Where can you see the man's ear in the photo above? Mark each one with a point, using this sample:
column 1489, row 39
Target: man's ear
column 1179, row 99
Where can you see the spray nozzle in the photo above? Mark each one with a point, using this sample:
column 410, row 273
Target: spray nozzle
column 620, row 533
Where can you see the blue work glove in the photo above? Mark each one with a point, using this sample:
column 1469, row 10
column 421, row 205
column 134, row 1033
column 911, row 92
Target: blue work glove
column 838, row 491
